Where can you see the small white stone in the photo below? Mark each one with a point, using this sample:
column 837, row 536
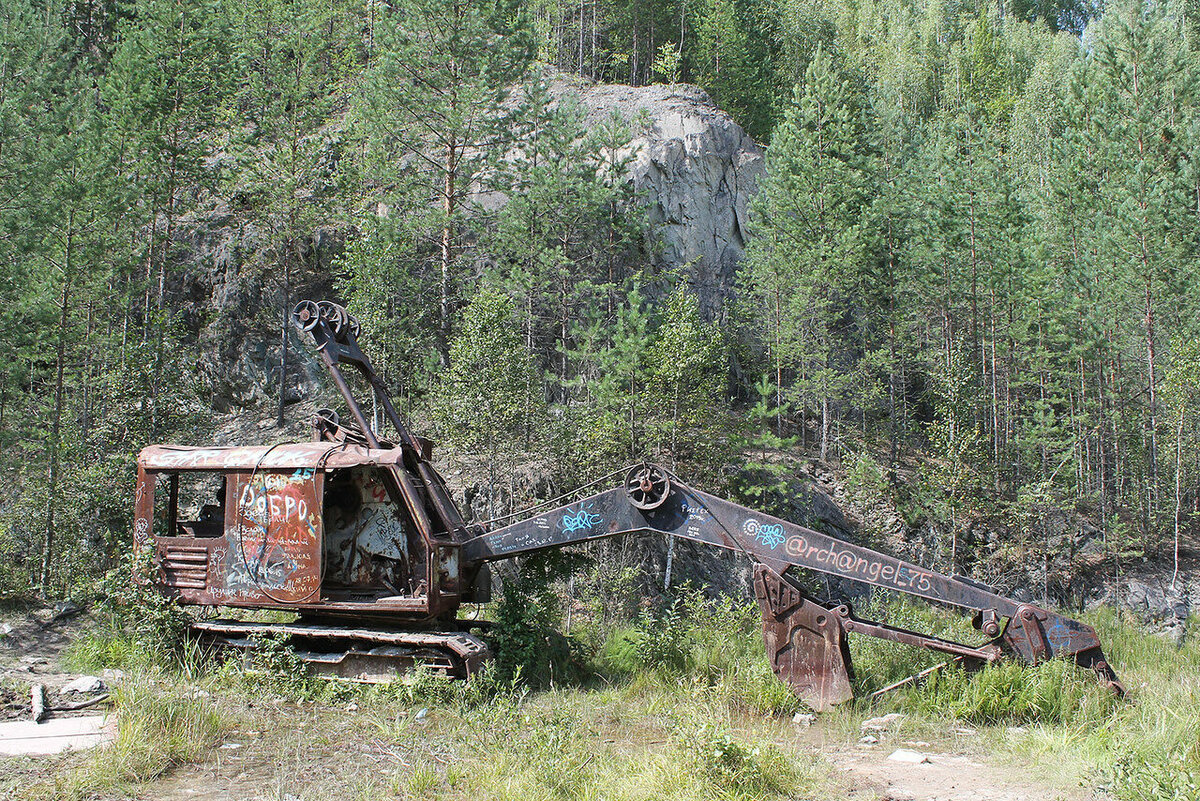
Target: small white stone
column 421, row 715
column 1017, row 730
column 965, row 731
column 804, row 719
column 910, row 757
column 885, row 723
column 351, row 707
column 868, row 740
column 84, row 685
column 231, row 746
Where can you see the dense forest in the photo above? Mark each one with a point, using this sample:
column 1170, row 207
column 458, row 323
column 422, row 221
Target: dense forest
column 971, row 278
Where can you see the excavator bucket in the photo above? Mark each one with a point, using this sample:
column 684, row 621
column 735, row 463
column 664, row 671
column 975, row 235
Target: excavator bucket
column 805, row 642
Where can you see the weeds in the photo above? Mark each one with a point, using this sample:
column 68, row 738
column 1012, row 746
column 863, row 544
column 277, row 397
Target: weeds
column 157, row 729
column 753, row 771
column 714, row 644
column 1054, row 693
column 139, row 626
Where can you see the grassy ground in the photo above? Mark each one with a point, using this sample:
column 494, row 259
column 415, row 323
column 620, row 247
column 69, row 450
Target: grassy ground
column 681, row 706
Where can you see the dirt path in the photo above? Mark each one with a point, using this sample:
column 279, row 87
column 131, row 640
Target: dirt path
column 944, row 777
column 31, row 642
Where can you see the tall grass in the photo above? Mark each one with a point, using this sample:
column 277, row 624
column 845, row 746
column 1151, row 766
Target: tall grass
column 714, row 645
column 158, row 727
column 606, row 745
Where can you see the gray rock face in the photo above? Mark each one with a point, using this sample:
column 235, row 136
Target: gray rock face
column 697, row 169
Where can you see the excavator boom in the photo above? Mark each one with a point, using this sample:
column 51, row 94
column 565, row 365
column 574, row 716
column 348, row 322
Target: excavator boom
column 805, row 640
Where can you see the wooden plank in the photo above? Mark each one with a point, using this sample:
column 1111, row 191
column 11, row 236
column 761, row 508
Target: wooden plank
column 26, row 738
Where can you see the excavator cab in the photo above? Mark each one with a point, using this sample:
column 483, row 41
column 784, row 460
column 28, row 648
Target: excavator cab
column 292, row 525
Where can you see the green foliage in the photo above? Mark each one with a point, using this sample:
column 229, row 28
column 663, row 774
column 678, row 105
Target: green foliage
column 716, row 644
column 1164, row 777
column 275, row 667
column 159, row 727
column 748, row 770
column 764, row 481
column 525, row 638
column 139, row 626
column 1056, row 692
column 430, row 112
column 879, row 664
column 810, row 246
column 866, row 482
column 490, row 398
column 668, row 62
column 656, row 641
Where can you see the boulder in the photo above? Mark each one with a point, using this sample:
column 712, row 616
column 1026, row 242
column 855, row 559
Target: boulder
column 884, row 723
column 696, row 168
column 84, row 685
column 908, row 756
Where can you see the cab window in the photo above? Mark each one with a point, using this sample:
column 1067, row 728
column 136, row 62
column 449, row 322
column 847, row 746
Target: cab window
column 189, row 504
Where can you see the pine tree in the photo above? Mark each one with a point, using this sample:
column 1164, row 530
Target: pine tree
column 487, row 401
column 288, row 162
column 570, row 225
column 810, row 243
column 1139, row 89
column 431, row 110
column 685, row 388
column 165, row 90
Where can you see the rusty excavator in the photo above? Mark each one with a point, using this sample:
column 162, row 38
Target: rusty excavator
column 360, row 538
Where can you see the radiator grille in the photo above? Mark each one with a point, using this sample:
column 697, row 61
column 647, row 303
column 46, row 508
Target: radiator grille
column 185, row 567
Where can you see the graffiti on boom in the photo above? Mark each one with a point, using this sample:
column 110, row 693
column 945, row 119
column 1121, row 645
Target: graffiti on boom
column 872, row 568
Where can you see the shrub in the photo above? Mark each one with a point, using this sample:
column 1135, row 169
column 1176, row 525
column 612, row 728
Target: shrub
column 525, row 638
column 732, row 765
column 717, row 642
column 1163, row 777
column 656, row 642
column 139, row 626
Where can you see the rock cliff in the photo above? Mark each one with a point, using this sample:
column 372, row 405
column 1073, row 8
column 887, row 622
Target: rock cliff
column 696, row 168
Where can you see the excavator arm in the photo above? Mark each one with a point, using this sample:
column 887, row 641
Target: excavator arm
column 805, row 640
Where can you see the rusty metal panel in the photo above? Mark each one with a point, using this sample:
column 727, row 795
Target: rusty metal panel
column 290, row 456
column 184, row 566
column 271, row 552
column 143, row 507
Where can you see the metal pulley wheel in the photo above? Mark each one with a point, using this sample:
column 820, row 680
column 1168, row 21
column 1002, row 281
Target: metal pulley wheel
column 647, row 486
column 306, row 313
column 328, row 416
column 334, row 314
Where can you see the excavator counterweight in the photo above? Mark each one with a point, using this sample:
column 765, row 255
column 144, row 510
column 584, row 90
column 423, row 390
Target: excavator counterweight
column 360, row 537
